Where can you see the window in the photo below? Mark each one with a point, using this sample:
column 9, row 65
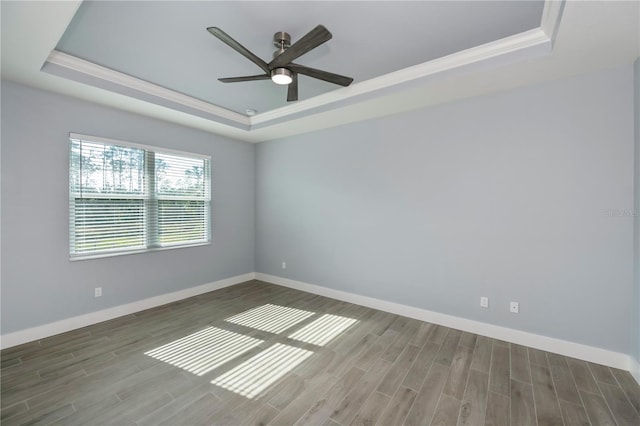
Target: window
column 125, row 198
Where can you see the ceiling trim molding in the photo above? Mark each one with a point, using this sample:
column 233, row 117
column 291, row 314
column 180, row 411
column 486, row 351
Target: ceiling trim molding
column 551, row 16
column 505, row 46
column 90, row 69
column 523, row 45
column 69, row 63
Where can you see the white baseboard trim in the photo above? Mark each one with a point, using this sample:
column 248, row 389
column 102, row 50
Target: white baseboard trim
column 549, row 344
column 51, row 329
column 635, row 369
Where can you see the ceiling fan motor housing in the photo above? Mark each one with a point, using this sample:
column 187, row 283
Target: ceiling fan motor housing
column 282, row 39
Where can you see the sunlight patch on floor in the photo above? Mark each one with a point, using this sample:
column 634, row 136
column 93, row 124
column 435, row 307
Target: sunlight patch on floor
column 270, row 318
column 323, row 330
column 201, row 352
column 260, row 371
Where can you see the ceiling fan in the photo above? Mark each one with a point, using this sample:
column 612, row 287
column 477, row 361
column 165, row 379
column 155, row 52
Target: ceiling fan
column 281, row 70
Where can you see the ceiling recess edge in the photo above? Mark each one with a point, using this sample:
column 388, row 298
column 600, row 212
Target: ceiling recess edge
column 497, row 52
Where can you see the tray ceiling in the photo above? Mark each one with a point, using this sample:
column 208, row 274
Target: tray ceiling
column 165, row 42
column 156, row 58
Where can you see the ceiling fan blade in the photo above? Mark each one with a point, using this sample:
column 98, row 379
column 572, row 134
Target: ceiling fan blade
column 292, row 90
column 246, row 78
column 226, row 38
column 321, row 75
column 309, row 41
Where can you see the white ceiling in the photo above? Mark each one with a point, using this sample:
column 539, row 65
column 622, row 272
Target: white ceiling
column 156, row 58
column 165, row 42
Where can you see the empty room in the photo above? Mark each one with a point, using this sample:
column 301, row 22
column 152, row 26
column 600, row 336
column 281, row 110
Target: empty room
column 320, row 213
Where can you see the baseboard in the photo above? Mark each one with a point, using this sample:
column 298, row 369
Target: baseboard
column 549, row 344
column 51, row 329
column 635, row 369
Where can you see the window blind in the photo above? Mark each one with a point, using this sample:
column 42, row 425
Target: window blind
column 127, row 197
column 182, row 191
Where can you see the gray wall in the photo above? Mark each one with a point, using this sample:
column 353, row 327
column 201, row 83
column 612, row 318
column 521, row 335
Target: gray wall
column 635, row 338
column 502, row 196
column 39, row 283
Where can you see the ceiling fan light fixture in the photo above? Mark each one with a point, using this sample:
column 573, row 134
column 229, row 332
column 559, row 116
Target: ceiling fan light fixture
column 282, row 70
column 281, row 76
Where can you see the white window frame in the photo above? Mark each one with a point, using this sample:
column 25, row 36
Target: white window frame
column 150, row 203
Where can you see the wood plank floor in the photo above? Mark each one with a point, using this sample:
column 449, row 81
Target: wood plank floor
column 298, row 358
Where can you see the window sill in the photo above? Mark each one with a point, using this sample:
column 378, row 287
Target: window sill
column 129, row 252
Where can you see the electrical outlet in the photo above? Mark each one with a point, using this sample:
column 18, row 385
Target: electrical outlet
column 284, row 265
column 514, row 307
column 484, row 302
column 97, row 292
